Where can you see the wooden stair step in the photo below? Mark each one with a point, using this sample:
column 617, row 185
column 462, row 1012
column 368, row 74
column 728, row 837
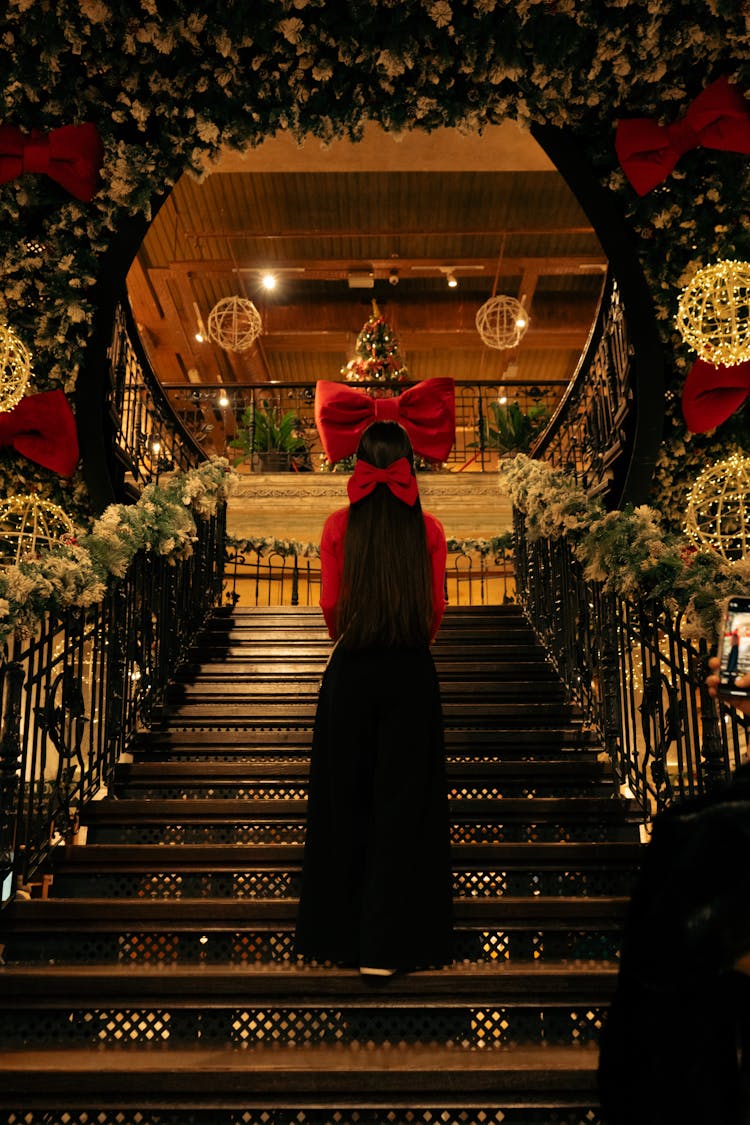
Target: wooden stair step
column 214, row 985
column 146, row 772
column 96, row 858
column 305, row 1077
column 242, row 810
column 225, row 694
column 102, row 915
column 288, row 712
column 566, row 739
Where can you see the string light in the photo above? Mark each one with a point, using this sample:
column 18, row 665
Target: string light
column 713, row 313
column 15, row 368
column 28, row 523
column 718, row 508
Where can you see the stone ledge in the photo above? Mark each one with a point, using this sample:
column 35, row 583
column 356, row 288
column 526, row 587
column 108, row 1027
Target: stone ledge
column 295, row 505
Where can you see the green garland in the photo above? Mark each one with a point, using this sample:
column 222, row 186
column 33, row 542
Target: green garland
column 76, row 574
column 167, row 86
column 268, row 545
column 628, row 551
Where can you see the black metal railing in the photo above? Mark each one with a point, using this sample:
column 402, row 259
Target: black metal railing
column 258, row 575
column 147, row 437
column 590, row 435
column 77, row 692
column 639, row 681
column 212, row 415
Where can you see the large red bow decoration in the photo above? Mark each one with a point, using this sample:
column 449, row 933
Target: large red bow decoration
column 71, row 155
column 711, row 394
column 718, row 118
column 427, row 412
column 398, row 477
column 43, row 428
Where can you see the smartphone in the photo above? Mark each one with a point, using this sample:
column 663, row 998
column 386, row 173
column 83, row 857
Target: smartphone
column 734, row 646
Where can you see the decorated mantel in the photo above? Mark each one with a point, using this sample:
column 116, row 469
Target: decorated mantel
column 105, row 107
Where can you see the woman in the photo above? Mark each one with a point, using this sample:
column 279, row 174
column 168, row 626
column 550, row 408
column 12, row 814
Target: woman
column 376, row 883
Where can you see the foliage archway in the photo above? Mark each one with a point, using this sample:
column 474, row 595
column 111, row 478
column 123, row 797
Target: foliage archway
column 166, row 88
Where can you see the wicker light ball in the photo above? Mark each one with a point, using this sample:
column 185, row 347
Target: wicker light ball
column 502, row 322
column 28, row 524
column 15, row 368
column 718, row 511
column 713, row 314
column 234, row 324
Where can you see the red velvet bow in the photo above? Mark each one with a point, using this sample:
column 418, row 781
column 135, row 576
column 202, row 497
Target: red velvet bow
column 711, row 394
column 71, row 155
column 398, row 476
column 427, row 412
column 718, row 118
column 43, row 428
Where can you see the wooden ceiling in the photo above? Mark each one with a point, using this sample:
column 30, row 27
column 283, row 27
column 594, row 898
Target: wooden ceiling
column 396, row 212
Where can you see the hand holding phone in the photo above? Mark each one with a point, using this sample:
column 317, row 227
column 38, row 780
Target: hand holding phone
column 734, row 648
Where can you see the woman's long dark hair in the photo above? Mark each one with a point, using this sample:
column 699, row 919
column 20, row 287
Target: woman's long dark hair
column 386, row 590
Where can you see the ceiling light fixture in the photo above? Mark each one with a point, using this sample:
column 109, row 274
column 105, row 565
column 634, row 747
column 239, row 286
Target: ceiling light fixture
column 223, row 400
column 199, row 337
column 452, row 281
column 268, row 281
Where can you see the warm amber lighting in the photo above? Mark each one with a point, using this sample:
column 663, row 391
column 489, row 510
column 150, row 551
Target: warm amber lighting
column 713, row 314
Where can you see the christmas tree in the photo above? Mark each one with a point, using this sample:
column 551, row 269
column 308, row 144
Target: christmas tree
column 377, row 353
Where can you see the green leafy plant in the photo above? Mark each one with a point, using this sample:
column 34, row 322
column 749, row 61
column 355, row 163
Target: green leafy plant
column 265, row 429
column 508, row 429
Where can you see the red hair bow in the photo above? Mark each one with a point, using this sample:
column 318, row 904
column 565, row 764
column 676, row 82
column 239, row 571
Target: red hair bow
column 711, row 394
column 718, row 118
column 398, row 476
column 427, row 412
column 71, row 156
column 42, row 428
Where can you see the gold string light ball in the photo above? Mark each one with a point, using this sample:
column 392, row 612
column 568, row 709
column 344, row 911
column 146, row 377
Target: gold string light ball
column 15, row 369
column 718, row 511
column 234, row 324
column 28, row 525
column 502, row 322
column 713, row 313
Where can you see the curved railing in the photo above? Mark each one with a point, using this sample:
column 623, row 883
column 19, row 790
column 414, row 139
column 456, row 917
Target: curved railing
column 638, row 680
column 147, row 437
column 590, row 434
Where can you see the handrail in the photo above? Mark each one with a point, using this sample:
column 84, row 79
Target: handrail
column 588, row 435
column 76, row 693
column 638, row 680
column 147, row 436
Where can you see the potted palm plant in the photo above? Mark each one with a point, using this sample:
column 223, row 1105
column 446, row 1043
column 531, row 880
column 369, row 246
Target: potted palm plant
column 270, row 435
column 508, row 429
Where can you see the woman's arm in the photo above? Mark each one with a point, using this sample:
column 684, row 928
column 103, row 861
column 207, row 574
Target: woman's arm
column 438, row 555
column 331, row 564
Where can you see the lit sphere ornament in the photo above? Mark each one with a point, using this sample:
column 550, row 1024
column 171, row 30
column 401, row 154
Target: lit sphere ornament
column 28, row 524
column 234, row 324
column 713, row 314
column 502, row 322
column 15, row 368
column 718, row 511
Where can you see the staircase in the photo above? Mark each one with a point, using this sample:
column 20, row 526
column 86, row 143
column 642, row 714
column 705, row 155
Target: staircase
column 157, row 984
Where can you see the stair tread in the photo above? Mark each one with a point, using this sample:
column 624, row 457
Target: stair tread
column 42, row 986
column 104, row 914
column 506, row 768
column 229, row 856
column 244, row 809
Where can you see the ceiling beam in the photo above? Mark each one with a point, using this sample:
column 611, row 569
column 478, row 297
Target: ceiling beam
column 408, row 268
